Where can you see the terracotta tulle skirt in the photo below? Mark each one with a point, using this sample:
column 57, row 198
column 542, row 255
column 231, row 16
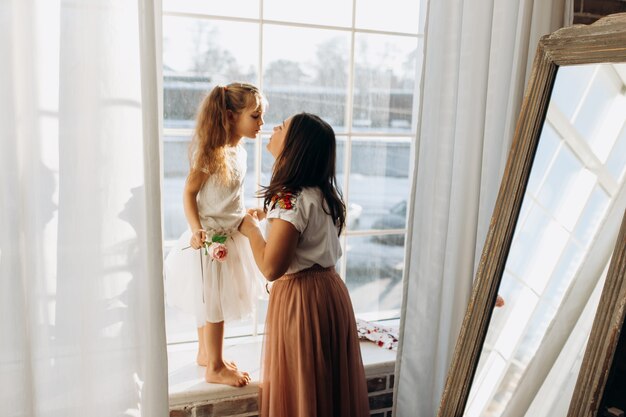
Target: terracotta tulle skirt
column 312, row 363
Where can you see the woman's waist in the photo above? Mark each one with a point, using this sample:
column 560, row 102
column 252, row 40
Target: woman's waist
column 312, row 270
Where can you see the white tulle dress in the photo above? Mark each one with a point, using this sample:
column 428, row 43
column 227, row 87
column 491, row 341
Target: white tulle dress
column 210, row 290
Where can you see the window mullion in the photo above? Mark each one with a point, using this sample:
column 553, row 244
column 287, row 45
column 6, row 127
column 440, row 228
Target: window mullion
column 348, row 143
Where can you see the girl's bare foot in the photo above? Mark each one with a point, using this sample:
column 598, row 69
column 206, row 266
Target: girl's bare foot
column 225, row 375
column 202, row 361
column 232, row 365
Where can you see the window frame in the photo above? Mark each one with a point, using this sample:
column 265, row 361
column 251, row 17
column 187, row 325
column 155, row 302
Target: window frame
column 346, row 135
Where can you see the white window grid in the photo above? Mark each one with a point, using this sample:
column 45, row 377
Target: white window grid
column 174, row 133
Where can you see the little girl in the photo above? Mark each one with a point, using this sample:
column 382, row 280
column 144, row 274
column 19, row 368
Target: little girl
column 219, row 281
column 311, row 356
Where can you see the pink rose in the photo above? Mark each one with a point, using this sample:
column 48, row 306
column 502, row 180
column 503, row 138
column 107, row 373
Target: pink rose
column 218, row 251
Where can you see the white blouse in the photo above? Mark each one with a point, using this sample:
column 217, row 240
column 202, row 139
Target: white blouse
column 318, row 242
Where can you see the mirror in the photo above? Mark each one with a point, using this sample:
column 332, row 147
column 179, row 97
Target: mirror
column 561, row 247
column 550, row 241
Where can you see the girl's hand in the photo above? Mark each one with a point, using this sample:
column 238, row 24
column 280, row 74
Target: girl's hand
column 197, row 239
column 260, row 214
column 249, row 224
column 499, row 301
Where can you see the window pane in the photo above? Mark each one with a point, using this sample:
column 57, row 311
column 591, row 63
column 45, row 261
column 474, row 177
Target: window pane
column 384, row 80
column 564, row 273
column 560, row 180
column 250, row 186
column 535, row 331
column 379, row 182
column 569, row 87
column 197, row 55
column 592, row 216
column 389, row 15
column 548, row 145
column 236, row 8
column 175, row 169
column 490, row 368
column 595, row 111
column 267, row 163
column 305, row 70
column 523, row 246
column 321, row 12
column 374, row 277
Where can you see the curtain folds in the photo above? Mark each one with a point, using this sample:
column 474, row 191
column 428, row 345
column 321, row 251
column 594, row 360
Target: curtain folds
column 476, row 62
column 81, row 298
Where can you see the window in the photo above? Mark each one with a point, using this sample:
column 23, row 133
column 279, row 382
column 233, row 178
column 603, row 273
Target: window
column 354, row 63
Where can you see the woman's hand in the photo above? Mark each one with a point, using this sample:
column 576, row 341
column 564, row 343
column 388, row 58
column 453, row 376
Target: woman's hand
column 249, row 224
column 197, row 239
column 260, row 213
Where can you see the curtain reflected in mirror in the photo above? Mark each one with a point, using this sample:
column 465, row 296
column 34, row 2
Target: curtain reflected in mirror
column 561, row 247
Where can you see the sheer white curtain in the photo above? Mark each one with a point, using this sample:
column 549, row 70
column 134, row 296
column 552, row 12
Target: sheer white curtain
column 81, row 297
column 476, row 62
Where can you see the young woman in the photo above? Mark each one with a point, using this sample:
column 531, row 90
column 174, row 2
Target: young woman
column 311, row 356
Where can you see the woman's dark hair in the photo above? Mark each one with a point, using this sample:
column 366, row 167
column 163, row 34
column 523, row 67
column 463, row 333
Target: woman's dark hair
column 308, row 160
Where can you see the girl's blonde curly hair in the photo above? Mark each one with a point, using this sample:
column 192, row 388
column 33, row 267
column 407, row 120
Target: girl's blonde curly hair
column 207, row 151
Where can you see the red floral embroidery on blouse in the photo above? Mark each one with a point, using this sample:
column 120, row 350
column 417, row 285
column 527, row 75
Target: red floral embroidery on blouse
column 285, row 201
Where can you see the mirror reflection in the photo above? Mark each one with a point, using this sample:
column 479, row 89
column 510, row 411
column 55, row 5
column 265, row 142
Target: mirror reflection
column 561, row 247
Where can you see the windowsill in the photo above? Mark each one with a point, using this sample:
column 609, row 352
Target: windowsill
column 186, row 378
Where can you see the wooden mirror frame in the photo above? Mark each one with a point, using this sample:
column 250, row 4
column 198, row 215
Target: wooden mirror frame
column 605, row 333
column 602, row 42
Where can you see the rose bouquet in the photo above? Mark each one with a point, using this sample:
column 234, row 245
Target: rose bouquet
column 216, row 248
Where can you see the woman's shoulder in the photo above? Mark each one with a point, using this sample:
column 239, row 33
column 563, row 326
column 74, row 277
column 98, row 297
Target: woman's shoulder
column 311, row 199
column 293, row 200
column 285, row 200
column 307, row 195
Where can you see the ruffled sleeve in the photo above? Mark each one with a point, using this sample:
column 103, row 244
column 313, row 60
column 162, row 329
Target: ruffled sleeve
column 288, row 207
